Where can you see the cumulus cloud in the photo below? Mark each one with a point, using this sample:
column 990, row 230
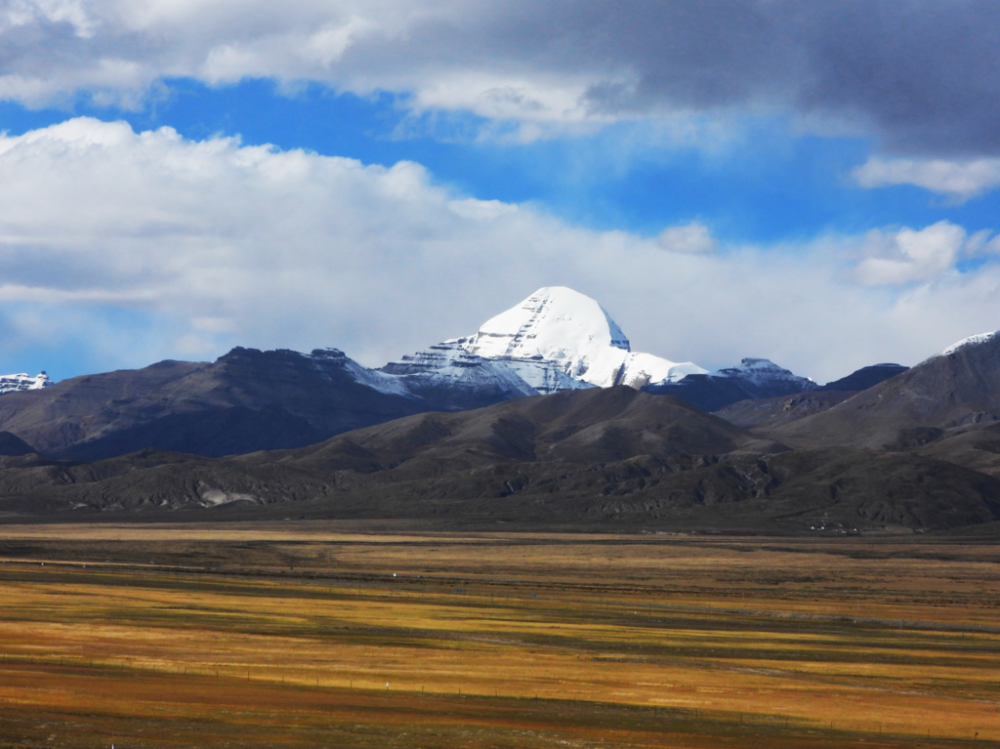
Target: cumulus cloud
column 959, row 180
column 922, row 75
column 107, row 233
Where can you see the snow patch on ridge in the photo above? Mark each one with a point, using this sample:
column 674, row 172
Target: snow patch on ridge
column 973, row 340
column 450, row 365
column 375, row 379
column 363, row 375
column 764, row 371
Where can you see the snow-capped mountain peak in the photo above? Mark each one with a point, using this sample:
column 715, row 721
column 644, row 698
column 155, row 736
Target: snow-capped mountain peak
column 557, row 331
column 17, row 382
column 553, row 323
column 559, row 339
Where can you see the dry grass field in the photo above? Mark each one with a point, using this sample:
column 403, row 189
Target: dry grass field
column 323, row 636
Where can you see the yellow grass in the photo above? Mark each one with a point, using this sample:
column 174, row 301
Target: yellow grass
column 273, row 636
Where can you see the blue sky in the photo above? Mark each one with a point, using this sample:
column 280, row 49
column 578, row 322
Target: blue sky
column 810, row 182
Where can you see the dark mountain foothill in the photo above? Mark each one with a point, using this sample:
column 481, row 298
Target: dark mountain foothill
column 11, row 444
column 586, row 459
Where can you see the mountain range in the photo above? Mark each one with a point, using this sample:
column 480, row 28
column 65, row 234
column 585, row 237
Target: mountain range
column 543, row 418
column 555, row 340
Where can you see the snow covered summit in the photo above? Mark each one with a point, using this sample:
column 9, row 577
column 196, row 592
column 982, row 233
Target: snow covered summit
column 553, row 323
column 559, row 339
column 13, row 383
column 558, row 334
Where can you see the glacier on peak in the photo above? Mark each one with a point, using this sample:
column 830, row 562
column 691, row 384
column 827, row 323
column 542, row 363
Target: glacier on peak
column 14, row 383
column 557, row 331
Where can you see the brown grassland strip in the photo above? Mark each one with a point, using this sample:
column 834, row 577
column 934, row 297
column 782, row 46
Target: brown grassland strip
column 200, row 636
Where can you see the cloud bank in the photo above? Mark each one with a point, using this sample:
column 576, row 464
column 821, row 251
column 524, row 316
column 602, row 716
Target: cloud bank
column 922, row 75
column 212, row 244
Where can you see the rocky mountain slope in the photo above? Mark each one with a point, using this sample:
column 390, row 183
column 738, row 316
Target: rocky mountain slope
column 596, row 458
column 918, row 451
column 955, row 391
column 768, row 413
column 247, row 400
column 459, row 435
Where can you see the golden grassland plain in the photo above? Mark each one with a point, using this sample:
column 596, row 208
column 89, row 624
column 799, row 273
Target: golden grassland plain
column 315, row 635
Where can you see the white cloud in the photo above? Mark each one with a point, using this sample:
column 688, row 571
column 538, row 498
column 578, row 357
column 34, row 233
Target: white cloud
column 959, row 180
column 543, row 65
column 212, row 244
column 117, row 50
column 691, row 238
column 907, row 256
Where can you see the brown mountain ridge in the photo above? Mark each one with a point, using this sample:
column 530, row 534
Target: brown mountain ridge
column 580, row 459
